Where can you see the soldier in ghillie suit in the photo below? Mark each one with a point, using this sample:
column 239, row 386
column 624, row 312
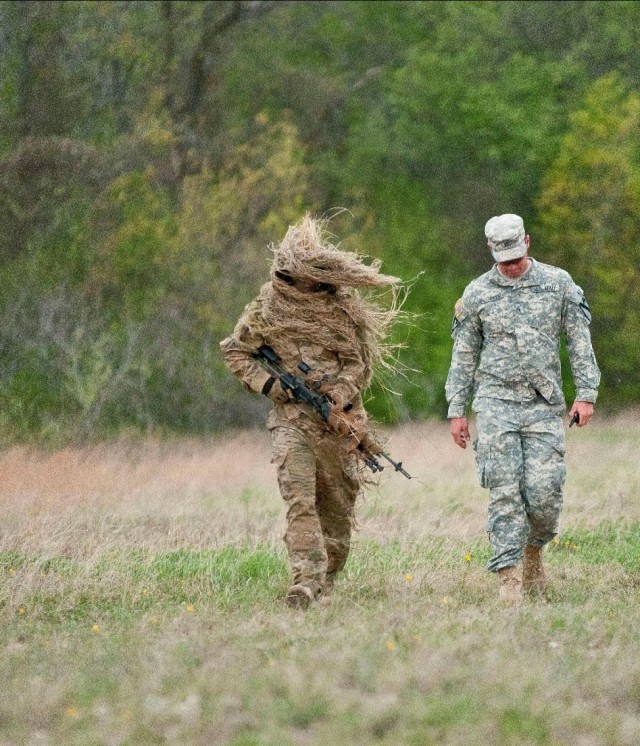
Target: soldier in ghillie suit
column 507, row 328
column 313, row 310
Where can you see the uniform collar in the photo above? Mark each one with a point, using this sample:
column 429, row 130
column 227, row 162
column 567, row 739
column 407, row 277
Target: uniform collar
column 531, row 278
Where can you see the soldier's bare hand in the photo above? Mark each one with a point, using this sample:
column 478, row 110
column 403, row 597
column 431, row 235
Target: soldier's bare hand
column 584, row 410
column 459, row 428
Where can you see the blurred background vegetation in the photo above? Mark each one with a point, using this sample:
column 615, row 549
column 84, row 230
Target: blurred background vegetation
column 150, row 152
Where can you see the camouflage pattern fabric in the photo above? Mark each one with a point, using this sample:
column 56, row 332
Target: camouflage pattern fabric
column 318, row 480
column 506, row 357
column 507, row 339
column 348, row 371
column 313, row 311
column 520, row 458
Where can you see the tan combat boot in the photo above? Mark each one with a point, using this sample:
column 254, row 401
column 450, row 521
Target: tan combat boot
column 534, row 579
column 302, row 594
column 327, row 589
column 510, row 585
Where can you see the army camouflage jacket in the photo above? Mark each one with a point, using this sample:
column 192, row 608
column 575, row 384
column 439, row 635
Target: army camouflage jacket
column 348, row 372
column 507, row 339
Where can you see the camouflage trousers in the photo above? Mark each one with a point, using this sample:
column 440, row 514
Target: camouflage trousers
column 319, row 483
column 520, row 457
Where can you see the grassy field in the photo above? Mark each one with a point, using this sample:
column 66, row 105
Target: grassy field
column 141, row 591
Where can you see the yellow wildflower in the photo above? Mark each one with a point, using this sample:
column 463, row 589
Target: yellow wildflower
column 390, row 645
column 467, row 557
column 96, row 628
column 408, row 577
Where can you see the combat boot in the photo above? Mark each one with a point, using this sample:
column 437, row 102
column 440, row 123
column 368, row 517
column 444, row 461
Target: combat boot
column 327, row 589
column 329, row 582
column 510, row 585
column 534, row 578
column 300, row 595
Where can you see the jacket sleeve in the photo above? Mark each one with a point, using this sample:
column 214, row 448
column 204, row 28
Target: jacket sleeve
column 467, row 335
column 576, row 317
column 236, row 351
column 351, row 378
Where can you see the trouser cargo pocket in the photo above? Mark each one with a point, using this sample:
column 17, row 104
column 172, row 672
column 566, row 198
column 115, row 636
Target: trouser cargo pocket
column 483, row 463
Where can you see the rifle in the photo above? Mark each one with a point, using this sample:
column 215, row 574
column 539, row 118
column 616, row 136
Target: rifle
column 320, row 403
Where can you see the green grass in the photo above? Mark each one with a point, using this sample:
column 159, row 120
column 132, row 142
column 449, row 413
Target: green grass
column 141, row 602
column 196, row 647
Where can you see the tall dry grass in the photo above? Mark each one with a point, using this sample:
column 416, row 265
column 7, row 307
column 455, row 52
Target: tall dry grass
column 162, row 495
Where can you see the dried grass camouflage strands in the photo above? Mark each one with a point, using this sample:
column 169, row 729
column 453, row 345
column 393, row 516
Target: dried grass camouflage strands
column 351, row 320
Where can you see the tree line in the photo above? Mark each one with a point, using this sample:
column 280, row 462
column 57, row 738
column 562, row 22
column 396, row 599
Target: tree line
column 151, row 151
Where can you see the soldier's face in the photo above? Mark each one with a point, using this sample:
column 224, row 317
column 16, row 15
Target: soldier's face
column 306, row 286
column 315, row 287
column 515, row 267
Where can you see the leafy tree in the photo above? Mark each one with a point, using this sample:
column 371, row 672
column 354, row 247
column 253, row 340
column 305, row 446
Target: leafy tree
column 150, row 151
column 590, row 220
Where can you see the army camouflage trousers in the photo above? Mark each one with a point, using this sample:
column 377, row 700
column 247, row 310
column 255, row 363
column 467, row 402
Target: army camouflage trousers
column 319, row 483
column 520, row 457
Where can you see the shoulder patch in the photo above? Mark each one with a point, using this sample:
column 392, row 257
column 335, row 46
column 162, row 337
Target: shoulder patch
column 458, row 315
column 577, row 297
column 584, row 307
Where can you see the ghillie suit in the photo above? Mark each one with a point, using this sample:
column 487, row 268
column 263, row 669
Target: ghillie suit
column 313, row 310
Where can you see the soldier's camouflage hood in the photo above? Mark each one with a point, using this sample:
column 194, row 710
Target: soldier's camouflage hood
column 305, row 253
column 345, row 319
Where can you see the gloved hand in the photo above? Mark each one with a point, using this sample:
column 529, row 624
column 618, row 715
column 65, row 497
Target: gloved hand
column 354, row 428
column 273, row 389
column 360, row 437
column 339, row 422
column 320, row 382
column 339, row 402
column 328, row 384
column 368, row 443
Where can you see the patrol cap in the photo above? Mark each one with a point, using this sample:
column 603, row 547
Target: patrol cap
column 505, row 236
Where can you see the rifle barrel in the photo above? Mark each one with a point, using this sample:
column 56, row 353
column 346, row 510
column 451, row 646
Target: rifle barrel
column 397, row 465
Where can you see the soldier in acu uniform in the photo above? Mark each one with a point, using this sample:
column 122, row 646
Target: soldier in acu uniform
column 313, row 311
column 506, row 357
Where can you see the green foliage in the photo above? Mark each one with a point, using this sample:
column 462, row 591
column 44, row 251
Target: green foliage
column 590, row 209
column 613, row 542
column 133, row 262
column 401, row 226
column 151, row 152
column 201, row 643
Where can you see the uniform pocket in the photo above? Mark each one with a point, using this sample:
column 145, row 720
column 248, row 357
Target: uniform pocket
column 483, row 463
column 278, row 458
column 279, row 446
